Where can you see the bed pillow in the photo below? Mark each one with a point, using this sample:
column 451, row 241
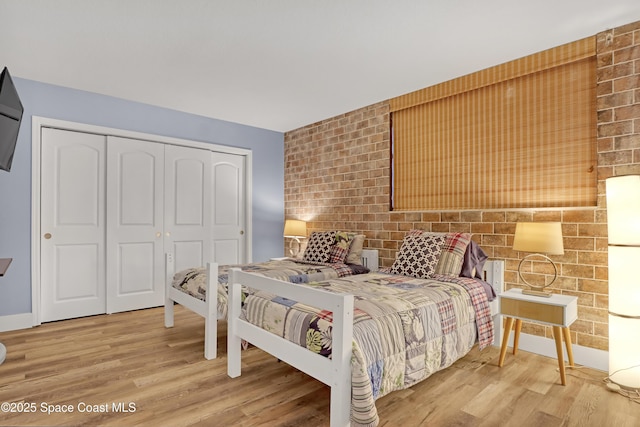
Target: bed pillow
column 319, row 246
column 452, row 256
column 355, row 250
column 340, row 249
column 419, row 254
column 474, row 259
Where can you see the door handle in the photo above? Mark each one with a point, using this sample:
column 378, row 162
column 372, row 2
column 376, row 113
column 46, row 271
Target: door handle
column 47, row 236
column 241, row 232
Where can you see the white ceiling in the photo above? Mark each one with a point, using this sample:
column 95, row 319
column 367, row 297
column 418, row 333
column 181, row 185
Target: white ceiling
column 281, row 64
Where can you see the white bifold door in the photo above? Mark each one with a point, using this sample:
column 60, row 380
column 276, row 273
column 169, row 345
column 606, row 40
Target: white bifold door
column 228, row 209
column 72, row 204
column 111, row 208
column 159, row 199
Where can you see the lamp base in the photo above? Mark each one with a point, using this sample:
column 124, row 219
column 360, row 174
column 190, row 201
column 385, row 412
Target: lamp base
column 537, row 293
column 294, row 251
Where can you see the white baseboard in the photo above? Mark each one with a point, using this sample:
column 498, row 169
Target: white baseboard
column 585, row 356
column 14, row 322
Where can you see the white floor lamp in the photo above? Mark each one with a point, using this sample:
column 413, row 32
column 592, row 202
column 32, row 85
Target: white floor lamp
column 623, row 219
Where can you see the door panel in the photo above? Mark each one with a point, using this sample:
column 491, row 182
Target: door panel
column 188, row 205
column 185, row 252
column 78, row 280
column 137, row 269
column 72, row 222
column 227, row 251
column 135, row 216
column 228, row 209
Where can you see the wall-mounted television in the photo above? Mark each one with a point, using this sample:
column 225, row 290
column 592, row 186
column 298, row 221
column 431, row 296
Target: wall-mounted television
column 10, row 117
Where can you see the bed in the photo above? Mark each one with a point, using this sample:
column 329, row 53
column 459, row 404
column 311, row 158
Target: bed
column 368, row 335
column 329, row 254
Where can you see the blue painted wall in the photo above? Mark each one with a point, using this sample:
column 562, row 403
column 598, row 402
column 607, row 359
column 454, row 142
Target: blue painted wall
column 40, row 99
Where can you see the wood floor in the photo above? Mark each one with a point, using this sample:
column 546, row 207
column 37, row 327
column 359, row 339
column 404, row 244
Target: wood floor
column 144, row 374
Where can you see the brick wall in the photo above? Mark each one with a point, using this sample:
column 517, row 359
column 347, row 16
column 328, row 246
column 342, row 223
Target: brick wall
column 337, row 175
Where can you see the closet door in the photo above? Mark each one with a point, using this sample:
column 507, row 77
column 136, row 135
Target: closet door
column 135, row 224
column 188, row 205
column 229, row 237
column 72, row 219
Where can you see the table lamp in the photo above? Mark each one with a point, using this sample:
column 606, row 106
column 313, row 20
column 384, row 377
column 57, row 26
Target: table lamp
column 538, row 238
column 295, row 229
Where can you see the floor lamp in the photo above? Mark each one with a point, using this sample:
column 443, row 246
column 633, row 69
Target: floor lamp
column 623, row 219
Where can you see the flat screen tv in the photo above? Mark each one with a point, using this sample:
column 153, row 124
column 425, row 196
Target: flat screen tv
column 10, row 117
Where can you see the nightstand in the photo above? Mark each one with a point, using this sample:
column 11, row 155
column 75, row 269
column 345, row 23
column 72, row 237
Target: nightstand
column 559, row 311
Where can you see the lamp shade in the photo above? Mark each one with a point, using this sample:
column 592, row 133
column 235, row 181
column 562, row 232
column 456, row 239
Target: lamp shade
column 623, row 210
column 539, row 237
column 295, row 228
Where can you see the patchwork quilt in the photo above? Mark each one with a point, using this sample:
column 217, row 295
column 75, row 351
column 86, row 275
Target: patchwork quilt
column 193, row 281
column 405, row 329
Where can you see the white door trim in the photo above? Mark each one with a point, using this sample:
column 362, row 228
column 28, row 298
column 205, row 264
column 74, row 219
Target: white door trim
column 37, row 123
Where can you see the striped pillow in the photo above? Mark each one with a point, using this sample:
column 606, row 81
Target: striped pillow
column 452, row 256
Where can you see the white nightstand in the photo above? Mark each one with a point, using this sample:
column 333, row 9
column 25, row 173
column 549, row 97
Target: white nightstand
column 559, row 311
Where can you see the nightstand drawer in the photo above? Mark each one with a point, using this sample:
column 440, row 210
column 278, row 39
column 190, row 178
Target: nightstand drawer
column 532, row 310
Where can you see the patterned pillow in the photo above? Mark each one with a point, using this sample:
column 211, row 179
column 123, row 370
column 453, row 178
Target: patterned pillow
column 452, row 257
column 319, row 246
column 355, row 250
column 418, row 255
column 340, row 249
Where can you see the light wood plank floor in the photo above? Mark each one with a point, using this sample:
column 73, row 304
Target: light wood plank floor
column 161, row 378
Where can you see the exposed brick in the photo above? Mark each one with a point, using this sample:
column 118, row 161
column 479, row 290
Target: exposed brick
column 605, row 116
column 605, row 87
column 578, row 216
column 593, row 286
column 628, row 28
column 592, row 230
column 601, row 330
column 626, row 54
column 614, row 100
column 615, row 128
column 604, row 59
column 493, row 216
column 581, row 326
column 629, row 169
column 450, row 216
column 627, row 142
column 599, row 343
column 616, row 158
column 471, row 216
column 592, row 258
column 481, row 228
column 623, row 70
column 547, row 216
column 592, row 313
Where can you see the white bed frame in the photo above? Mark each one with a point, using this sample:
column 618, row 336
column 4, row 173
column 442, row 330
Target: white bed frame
column 209, row 308
column 335, row 372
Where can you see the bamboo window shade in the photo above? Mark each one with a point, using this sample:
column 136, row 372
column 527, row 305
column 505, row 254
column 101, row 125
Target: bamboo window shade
column 518, row 135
